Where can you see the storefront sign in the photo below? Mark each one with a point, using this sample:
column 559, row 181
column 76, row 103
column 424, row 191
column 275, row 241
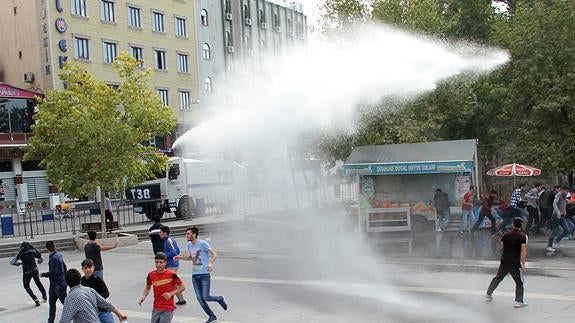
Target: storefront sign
column 7, row 91
column 408, row 168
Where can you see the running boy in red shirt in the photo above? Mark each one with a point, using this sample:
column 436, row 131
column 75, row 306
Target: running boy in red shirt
column 166, row 284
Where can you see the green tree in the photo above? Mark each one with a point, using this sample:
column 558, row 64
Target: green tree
column 340, row 17
column 541, row 101
column 91, row 135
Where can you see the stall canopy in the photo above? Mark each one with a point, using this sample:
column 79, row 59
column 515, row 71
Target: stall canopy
column 418, row 158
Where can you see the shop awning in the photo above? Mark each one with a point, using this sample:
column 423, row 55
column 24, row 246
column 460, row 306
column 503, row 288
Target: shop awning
column 418, row 158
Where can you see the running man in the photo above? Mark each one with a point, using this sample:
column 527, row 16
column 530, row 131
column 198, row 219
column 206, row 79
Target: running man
column 165, row 285
column 26, row 258
column 513, row 257
column 56, row 270
column 202, row 257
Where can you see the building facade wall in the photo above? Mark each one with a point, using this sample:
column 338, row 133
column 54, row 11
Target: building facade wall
column 20, row 52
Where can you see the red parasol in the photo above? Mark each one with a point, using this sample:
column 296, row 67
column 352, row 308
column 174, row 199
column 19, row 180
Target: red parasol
column 514, row 169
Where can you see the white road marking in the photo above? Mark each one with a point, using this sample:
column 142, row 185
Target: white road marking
column 178, row 319
column 413, row 289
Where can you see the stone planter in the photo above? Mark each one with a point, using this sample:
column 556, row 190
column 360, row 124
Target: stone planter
column 123, row 239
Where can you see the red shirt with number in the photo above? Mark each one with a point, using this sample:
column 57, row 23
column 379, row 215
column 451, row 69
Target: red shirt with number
column 164, row 282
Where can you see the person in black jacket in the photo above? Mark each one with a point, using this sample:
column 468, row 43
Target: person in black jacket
column 26, row 258
column 154, row 234
column 98, row 284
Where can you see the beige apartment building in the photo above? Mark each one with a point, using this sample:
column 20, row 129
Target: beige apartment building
column 44, row 34
column 190, row 45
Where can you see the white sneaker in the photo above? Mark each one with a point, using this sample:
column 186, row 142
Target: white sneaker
column 556, row 245
column 520, row 304
column 550, row 249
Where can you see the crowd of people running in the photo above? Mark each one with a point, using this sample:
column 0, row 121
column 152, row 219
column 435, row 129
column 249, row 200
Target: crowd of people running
column 547, row 211
column 84, row 298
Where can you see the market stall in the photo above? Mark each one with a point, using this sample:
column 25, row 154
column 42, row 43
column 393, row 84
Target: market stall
column 397, row 182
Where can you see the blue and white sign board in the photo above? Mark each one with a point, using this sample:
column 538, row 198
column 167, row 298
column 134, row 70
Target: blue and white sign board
column 408, row 168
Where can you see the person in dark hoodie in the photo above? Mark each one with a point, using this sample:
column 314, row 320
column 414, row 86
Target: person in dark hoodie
column 26, row 258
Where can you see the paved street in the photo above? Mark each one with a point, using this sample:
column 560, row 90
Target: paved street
column 315, row 268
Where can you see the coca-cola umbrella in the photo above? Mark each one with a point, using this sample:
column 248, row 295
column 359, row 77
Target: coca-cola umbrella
column 512, row 170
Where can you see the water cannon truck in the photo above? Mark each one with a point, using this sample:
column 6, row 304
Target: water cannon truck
column 186, row 186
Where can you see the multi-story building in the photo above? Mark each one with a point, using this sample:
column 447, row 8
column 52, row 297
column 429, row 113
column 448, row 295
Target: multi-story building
column 231, row 32
column 188, row 44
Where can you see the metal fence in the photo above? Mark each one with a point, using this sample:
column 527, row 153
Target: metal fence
column 34, row 222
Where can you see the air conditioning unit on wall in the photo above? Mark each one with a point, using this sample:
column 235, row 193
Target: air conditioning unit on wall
column 29, row 77
column 248, row 22
column 230, row 49
column 228, row 16
column 264, row 25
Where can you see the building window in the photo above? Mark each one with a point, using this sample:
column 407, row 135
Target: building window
column 206, row 52
column 160, row 58
column 81, row 48
column 79, row 8
column 276, row 22
column 227, row 7
column 110, row 52
column 261, row 17
column 163, row 93
column 181, row 27
column 107, row 11
column 246, row 11
column 138, row 54
column 228, row 39
column 16, row 115
column 185, row 100
column 208, row 85
column 204, row 17
column 158, row 21
column 183, row 63
column 134, row 17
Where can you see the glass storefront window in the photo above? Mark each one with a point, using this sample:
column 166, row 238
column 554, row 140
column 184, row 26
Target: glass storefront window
column 16, row 115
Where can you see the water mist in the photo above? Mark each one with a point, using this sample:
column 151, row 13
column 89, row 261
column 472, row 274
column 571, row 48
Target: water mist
column 269, row 105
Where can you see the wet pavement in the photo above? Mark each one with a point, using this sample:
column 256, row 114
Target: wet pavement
column 313, row 267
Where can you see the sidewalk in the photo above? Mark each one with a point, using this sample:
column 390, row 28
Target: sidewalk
column 199, row 221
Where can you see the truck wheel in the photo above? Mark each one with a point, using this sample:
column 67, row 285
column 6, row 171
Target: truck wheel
column 186, row 207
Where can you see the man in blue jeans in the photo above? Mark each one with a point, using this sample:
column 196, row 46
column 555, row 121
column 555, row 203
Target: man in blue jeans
column 203, row 258
column 58, row 287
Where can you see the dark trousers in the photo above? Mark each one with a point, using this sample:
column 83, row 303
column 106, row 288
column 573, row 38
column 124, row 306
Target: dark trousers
column 480, row 219
column 545, row 217
column 109, row 216
column 27, row 276
column 515, row 272
column 158, row 246
column 533, row 219
column 56, row 292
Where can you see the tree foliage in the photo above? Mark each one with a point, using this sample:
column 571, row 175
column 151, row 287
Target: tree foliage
column 91, row 134
column 523, row 112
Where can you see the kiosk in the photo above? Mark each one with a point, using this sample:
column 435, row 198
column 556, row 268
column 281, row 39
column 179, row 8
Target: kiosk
column 397, row 182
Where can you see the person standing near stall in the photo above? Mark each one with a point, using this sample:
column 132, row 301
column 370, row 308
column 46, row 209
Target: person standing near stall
column 466, row 209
